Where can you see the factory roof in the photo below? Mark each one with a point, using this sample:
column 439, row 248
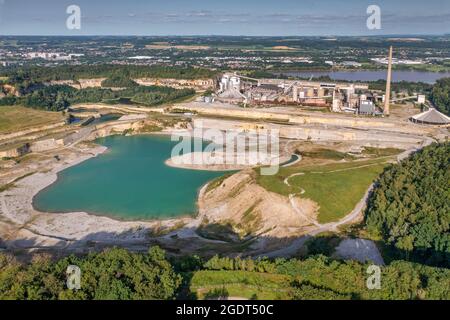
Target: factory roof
column 231, row 93
column 366, row 107
column 272, row 87
column 432, row 116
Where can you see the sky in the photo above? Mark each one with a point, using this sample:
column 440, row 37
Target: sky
column 225, row 17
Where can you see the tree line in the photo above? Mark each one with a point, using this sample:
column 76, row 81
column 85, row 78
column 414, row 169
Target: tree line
column 410, row 206
column 440, row 95
column 59, row 97
column 74, row 72
column 118, row 82
column 121, row 274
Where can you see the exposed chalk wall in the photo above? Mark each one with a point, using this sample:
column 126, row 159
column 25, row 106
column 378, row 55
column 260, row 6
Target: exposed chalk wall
column 315, row 133
column 90, row 83
column 29, row 131
column 326, row 120
column 119, row 108
column 45, row 145
column 113, row 128
column 199, row 84
column 15, row 152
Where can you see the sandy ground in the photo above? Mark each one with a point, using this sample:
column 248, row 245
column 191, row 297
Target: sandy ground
column 238, row 196
column 222, row 161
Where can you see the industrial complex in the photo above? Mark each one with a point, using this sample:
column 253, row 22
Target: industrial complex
column 351, row 97
column 340, row 97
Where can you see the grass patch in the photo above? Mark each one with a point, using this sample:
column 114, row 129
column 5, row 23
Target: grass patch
column 381, row 152
column 337, row 193
column 250, row 285
column 275, row 183
column 217, row 182
column 15, row 118
column 336, row 188
column 327, row 154
column 181, row 111
column 150, row 128
column 250, row 222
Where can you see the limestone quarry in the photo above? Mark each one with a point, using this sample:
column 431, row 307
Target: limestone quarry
column 234, row 211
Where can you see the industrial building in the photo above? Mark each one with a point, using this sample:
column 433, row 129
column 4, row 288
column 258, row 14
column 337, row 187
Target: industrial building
column 339, row 97
column 431, row 116
column 367, row 107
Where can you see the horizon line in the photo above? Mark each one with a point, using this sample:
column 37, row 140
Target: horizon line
column 226, row 35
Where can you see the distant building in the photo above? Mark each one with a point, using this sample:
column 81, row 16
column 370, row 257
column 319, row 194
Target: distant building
column 367, row 107
column 421, row 99
column 230, row 89
column 49, row 55
column 264, row 93
column 208, row 99
column 353, row 64
column 397, row 61
column 432, row 116
column 234, row 88
column 230, row 82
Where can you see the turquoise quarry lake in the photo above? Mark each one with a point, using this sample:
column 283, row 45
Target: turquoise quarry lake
column 129, row 181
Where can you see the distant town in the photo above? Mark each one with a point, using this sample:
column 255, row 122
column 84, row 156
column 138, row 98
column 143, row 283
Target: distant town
column 257, row 53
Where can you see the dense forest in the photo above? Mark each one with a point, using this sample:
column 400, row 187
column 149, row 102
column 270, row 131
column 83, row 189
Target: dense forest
column 75, row 72
column 440, row 95
column 32, row 85
column 114, row 274
column 410, row 87
column 120, row 274
column 118, row 82
column 59, row 97
column 410, row 206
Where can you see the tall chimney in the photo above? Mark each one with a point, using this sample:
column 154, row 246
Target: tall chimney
column 387, row 98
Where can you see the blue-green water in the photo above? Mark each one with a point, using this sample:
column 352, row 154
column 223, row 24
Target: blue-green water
column 129, row 181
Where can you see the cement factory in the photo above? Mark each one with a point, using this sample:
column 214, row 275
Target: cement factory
column 337, row 96
column 340, row 97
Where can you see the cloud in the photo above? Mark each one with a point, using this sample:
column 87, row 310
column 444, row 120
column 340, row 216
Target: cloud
column 200, row 13
column 289, row 20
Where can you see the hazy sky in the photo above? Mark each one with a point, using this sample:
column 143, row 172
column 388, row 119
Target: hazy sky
column 225, row 17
